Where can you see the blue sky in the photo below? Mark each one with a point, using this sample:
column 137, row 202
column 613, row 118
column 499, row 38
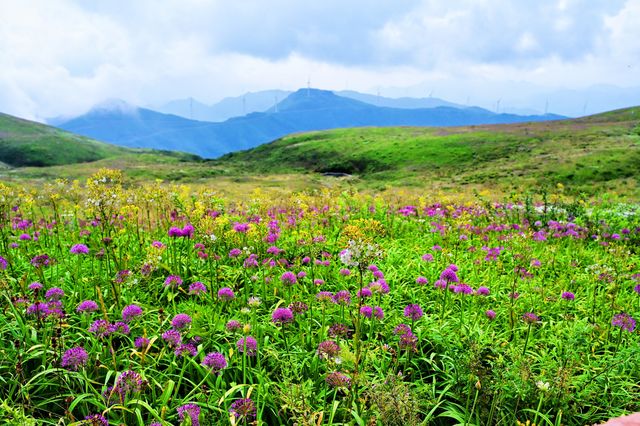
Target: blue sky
column 59, row 57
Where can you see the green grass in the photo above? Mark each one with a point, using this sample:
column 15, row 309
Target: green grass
column 26, row 143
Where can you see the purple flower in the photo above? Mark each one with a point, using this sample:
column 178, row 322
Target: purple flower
column 365, row 292
column 408, row 341
column 298, row 307
column 74, row 358
column 226, row 294
column 440, row 284
column 402, row 329
column 345, row 272
column 282, row 316
column 141, row 343
column 96, row 420
column 181, row 321
column 197, row 288
column 490, row 314
column 337, row 379
column 35, row 286
column 41, row 261
column 324, row 296
column 186, row 349
column 338, row 330
column 567, row 295
column 463, row 288
column 79, row 249
column 366, row 311
column 191, row 411
column 130, row 312
column 288, row 278
column 318, row 282
column 158, row 244
column 173, row 281
column 637, row 289
column 624, row 321
column 87, row 306
column 121, row 327
column 482, row 291
column 172, row 337
column 3, row 263
column 243, row 408
column 422, row 281
column 235, row 252
column 427, row 257
column 241, row 228
column 328, row 349
column 215, row 361
column 247, row 345
column 175, row 232
column 530, row 318
column 449, row 275
column 233, row 325
column 378, row 312
column 39, row 310
column 413, row 311
column 101, row 328
column 342, row 297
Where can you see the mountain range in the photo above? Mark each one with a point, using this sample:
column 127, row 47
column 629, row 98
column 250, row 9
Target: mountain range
column 304, row 110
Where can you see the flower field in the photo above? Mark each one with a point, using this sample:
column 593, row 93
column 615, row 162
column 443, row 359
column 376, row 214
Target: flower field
column 167, row 305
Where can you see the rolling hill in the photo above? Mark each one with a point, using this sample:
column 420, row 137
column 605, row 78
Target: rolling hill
column 304, row 110
column 25, row 143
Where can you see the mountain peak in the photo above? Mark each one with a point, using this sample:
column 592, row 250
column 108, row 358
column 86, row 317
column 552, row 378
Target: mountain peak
column 315, row 99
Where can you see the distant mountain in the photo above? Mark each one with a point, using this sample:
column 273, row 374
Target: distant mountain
column 404, row 102
column 227, row 108
column 304, row 110
column 26, row 143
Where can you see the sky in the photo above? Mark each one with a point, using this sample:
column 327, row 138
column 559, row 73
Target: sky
column 60, row 57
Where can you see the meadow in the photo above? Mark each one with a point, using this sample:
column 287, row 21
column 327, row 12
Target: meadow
column 162, row 304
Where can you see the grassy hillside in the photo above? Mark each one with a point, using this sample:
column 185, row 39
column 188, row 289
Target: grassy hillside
column 589, row 154
column 27, row 143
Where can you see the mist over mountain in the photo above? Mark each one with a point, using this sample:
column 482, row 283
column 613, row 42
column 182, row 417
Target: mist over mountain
column 303, row 110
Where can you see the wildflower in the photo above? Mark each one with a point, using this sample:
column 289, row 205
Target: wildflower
column 413, row 311
column 441, row 284
column 345, row 272
column 158, row 244
column 514, row 295
column 338, row 330
column 74, row 358
column 318, row 282
column 197, row 288
column 408, row 341
column 175, row 232
column 188, row 230
column 530, row 318
column 35, row 286
column 482, row 291
column 298, row 307
column 282, row 316
column 378, row 312
column 624, row 321
column 637, row 289
column 422, row 281
column 190, row 411
column 233, row 325
column 364, row 292
column 3, row 263
column 366, row 311
column 254, row 301
column 173, row 281
column 41, row 261
column 141, row 343
column 96, row 420
column 324, row 296
column 130, row 312
column 121, row 327
column 328, row 349
column 567, row 295
column 342, row 298
column 337, row 379
column 172, row 337
column 215, row 361
column 427, row 257
column 543, row 386
column 463, row 288
column 241, row 228
column 181, row 321
column 301, row 275
column 79, row 249
column 226, row 294
column 101, row 328
column 490, row 314
column 243, row 408
column 251, row 261
column 235, row 253
column 87, row 306
column 449, row 275
column 402, row 329
column 247, row 345
column 186, row 349
column 288, row 278
column 39, row 310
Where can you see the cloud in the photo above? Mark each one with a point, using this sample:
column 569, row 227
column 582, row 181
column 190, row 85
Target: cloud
column 62, row 56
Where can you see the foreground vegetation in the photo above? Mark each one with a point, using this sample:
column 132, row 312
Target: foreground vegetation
column 173, row 305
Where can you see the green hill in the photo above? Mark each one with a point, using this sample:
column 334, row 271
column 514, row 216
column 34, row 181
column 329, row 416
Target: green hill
column 586, row 153
column 26, row 143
